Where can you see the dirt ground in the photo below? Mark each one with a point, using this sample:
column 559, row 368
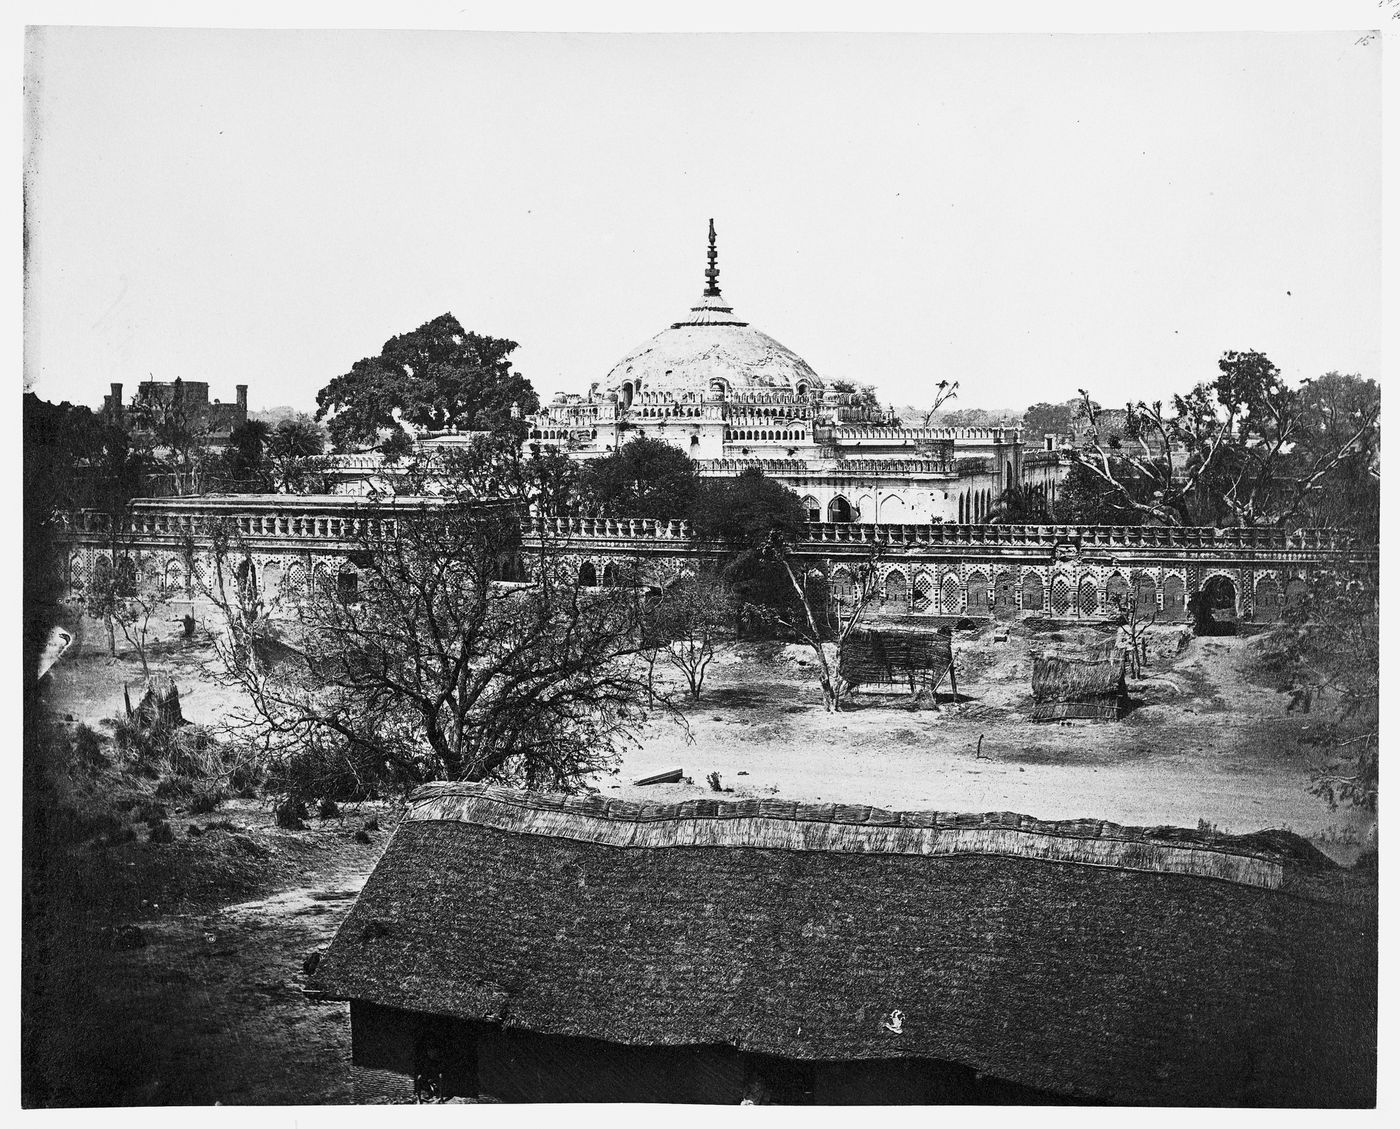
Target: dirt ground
column 1206, row 741
column 210, row 1008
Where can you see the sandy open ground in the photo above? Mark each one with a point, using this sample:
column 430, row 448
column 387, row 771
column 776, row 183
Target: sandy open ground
column 213, row 998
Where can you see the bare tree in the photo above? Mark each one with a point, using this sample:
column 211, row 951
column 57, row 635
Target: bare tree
column 132, row 612
column 423, row 663
column 1243, row 450
column 692, row 616
column 827, row 606
column 1134, row 632
column 945, row 391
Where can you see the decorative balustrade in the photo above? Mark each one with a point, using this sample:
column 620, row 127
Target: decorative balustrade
column 609, row 528
column 791, row 413
column 339, row 519
column 1088, row 536
column 847, row 433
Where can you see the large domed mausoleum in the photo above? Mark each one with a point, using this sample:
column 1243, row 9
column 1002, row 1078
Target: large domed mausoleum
column 731, row 397
column 711, row 351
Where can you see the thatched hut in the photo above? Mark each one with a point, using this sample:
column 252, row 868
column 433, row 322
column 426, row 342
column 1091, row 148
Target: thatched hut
column 542, row 948
column 913, row 660
column 1088, row 690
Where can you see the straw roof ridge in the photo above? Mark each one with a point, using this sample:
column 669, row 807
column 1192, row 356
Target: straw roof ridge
column 792, row 825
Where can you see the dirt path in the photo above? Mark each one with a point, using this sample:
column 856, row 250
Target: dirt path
column 210, row 1009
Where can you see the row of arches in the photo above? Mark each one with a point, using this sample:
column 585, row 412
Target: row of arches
column 1000, row 592
column 1058, row 593
column 760, row 436
column 588, row 575
column 557, row 433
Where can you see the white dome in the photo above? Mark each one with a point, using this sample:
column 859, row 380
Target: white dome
column 711, row 344
column 688, row 357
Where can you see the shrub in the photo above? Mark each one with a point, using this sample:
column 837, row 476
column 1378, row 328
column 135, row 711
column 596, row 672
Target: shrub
column 291, row 814
column 88, row 756
column 206, row 800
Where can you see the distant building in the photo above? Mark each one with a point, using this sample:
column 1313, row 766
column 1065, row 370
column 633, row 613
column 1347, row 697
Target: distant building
column 191, row 397
column 732, row 397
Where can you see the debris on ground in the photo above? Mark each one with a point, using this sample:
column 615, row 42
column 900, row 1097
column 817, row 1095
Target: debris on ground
column 671, row 776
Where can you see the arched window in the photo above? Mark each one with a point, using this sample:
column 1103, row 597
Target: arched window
column 1032, row 593
column 923, row 593
column 897, row 591
column 977, row 594
column 1173, row 597
column 1268, row 599
column 1115, row 592
column 838, row 509
column 812, row 508
column 952, row 595
column 587, row 575
column 1088, row 597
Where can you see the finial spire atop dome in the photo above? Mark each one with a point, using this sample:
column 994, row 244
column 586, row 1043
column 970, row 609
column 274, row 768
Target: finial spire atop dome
column 712, row 273
column 712, row 309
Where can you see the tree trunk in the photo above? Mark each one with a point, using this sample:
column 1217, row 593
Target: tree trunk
column 111, row 637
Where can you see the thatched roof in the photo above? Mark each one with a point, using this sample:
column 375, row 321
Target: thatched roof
column 1078, row 690
column 1083, row 958
column 1059, row 680
column 895, row 657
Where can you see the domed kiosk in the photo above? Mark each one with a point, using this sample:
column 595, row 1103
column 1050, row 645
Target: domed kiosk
column 709, row 353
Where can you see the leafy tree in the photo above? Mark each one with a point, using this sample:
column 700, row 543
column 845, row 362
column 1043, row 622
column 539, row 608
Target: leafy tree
column 1327, row 654
column 1340, row 413
column 1020, row 505
column 175, row 433
column 748, row 514
column 865, row 394
column 976, row 417
column 1084, row 498
column 1244, row 449
column 746, row 511
column 397, row 446
column 1049, row 419
column 300, row 437
column 436, row 377
column 645, row 478
column 424, row 667
column 245, row 457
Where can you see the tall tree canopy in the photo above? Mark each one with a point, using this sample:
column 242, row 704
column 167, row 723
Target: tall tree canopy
column 645, row 478
column 1048, row 419
column 438, row 376
column 747, row 511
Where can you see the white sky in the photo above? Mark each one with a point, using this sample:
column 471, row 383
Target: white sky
column 1026, row 214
